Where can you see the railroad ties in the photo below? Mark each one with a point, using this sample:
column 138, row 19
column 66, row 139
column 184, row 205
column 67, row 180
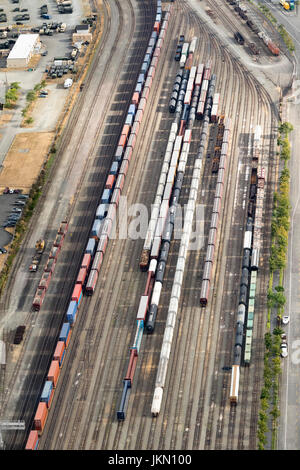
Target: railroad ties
column 103, row 224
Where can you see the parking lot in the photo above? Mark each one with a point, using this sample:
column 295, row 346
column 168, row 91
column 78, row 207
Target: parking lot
column 33, row 10
column 7, row 206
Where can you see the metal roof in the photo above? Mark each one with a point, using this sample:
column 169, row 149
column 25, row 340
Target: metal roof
column 23, row 46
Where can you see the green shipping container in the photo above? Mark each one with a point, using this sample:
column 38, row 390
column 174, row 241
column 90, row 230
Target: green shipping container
column 250, row 316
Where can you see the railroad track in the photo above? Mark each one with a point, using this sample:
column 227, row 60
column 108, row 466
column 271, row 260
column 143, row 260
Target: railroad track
column 89, row 322
column 100, row 343
column 81, row 238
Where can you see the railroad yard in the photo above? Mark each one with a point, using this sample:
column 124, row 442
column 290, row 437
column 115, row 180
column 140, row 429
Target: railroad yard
column 147, row 340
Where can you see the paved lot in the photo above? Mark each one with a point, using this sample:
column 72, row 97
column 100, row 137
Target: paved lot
column 6, row 206
column 33, row 7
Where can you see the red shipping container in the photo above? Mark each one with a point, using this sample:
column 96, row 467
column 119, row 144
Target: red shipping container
column 91, row 284
column 156, row 26
column 139, row 116
column 156, row 52
column 81, row 276
column 40, row 417
column 115, row 196
column 124, row 167
column 77, row 291
column 122, row 141
column 32, row 441
column 142, row 104
column 128, row 151
column 151, row 72
column 153, row 64
column 125, row 130
column 120, row 182
column 110, row 181
column 132, row 366
column 86, row 261
column 97, row 261
column 102, row 243
column 54, row 371
column 59, row 352
column 135, row 98
column 131, row 141
column 145, row 93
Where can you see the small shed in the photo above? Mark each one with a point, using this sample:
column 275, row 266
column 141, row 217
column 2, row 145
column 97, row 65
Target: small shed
column 82, row 33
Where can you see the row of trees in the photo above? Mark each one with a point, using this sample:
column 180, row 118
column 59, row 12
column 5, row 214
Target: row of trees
column 269, row 412
column 12, row 95
column 30, row 98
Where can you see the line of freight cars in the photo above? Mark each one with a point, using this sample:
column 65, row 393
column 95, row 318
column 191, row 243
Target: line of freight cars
column 224, row 129
column 160, row 232
column 184, row 114
column 50, row 384
column 166, row 204
column 116, row 178
column 102, row 225
column 178, row 278
column 250, row 265
column 50, row 266
column 166, row 221
column 242, row 11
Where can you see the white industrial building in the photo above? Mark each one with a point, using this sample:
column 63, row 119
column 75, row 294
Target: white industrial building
column 26, row 45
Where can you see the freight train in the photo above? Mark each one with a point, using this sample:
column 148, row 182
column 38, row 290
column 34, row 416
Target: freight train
column 250, row 265
column 104, row 218
column 224, row 131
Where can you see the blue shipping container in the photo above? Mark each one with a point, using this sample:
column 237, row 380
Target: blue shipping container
column 129, row 119
column 64, row 333
column 113, row 171
column 141, row 78
column 144, row 67
column 102, row 209
column 138, row 88
column 72, row 310
column 47, row 390
column 132, row 109
column 91, row 246
column 96, row 229
column 121, row 413
column 106, row 196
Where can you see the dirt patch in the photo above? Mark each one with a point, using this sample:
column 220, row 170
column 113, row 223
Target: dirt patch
column 5, row 118
column 24, row 160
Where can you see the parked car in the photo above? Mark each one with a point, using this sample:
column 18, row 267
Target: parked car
column 285, row 319
column 2, row 250
column 283, row 350
column 23, row 196
column 9, row 224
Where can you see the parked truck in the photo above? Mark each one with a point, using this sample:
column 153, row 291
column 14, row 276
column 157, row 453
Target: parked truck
column 39, row 249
